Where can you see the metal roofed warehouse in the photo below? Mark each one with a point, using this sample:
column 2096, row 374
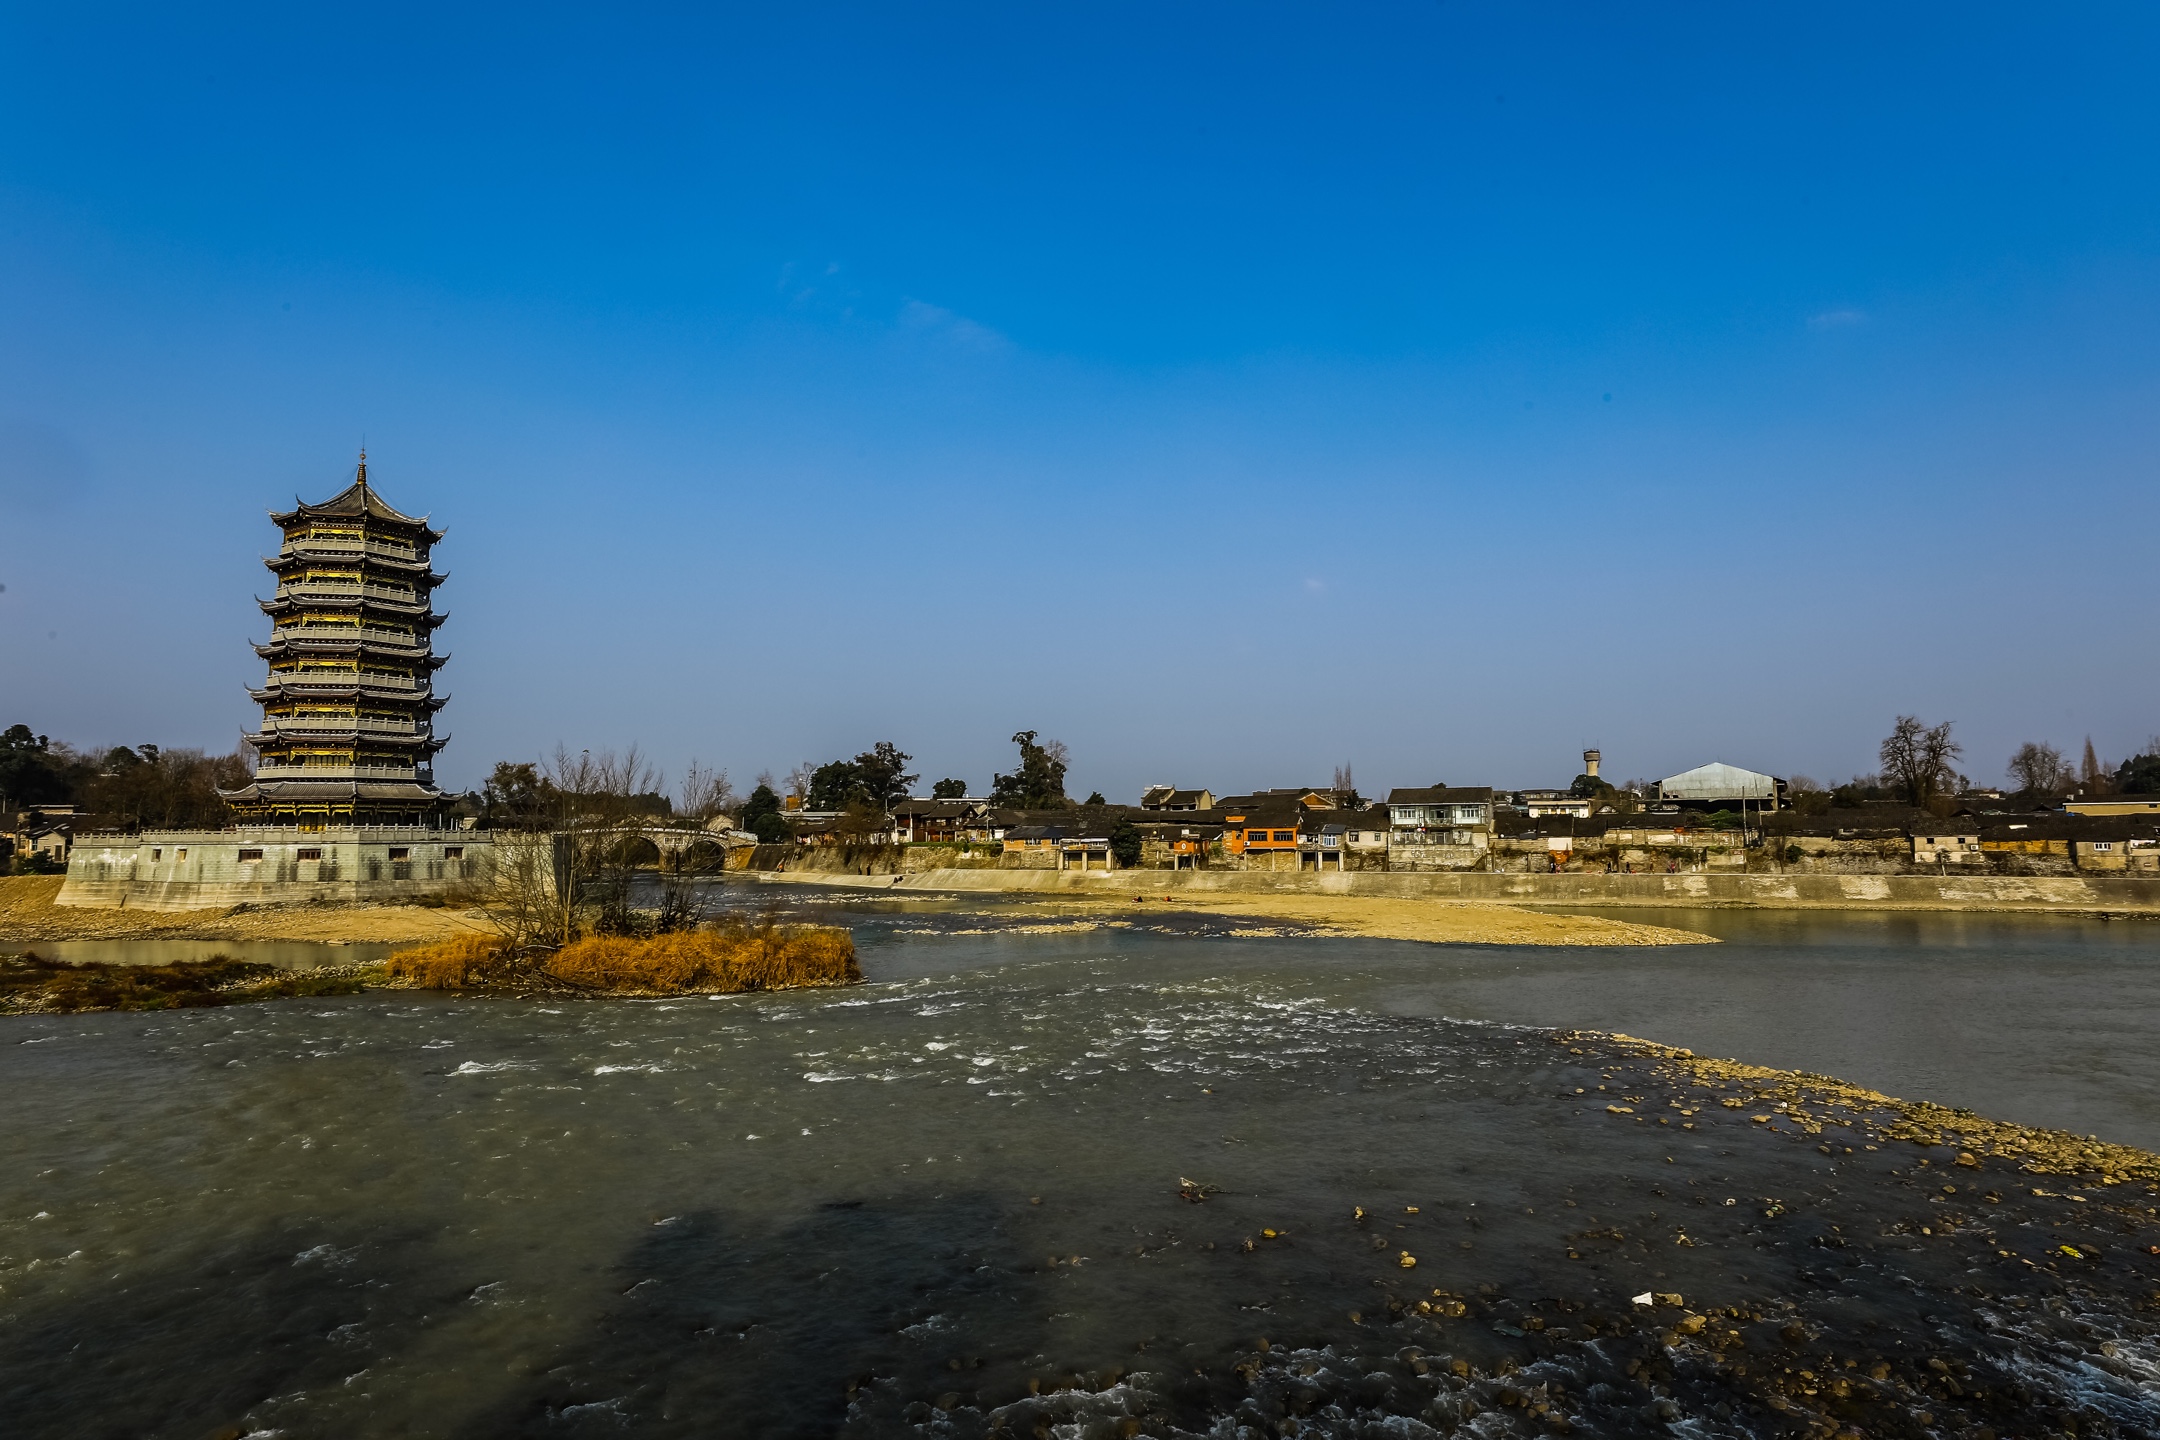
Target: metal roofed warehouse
column 1718, row 782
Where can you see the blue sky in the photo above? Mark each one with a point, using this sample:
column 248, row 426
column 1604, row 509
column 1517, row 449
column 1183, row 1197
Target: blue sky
column 1231, row 392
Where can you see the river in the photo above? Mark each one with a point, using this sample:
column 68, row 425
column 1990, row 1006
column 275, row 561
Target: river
column 947, row 1201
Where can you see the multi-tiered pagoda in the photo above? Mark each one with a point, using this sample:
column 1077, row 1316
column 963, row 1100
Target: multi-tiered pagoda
column 348, row 727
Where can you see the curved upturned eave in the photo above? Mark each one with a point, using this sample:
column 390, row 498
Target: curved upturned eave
column 389, row 528
column 277, row 563
column 418, row 612
column 339, row 690
column 357, row 501
column 279, row 788
column 269, row 742
column 349, row 649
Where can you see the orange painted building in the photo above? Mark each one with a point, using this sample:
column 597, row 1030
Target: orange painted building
column 1260, row 834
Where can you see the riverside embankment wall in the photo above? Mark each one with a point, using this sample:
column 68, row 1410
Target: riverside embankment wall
column 2063, row 894
column 173, row 870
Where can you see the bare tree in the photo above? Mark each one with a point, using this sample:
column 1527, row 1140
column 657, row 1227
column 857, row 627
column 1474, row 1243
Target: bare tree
column 2038, row 768
column 599, row 839
column 570, row 867
column 1917, row 758
column 704, row 793
column 798, row 780
column 517, row 892
column 1809, row 796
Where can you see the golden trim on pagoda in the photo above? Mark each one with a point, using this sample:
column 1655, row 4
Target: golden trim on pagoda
column 347, row 733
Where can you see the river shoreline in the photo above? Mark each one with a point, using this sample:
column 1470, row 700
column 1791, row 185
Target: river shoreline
column 2104, row 896
column 1483, row 909
column 28, row 916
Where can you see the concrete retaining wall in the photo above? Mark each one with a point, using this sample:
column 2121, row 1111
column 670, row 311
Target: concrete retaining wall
column 2079, row 894
column 821, row 860
column 218, row 869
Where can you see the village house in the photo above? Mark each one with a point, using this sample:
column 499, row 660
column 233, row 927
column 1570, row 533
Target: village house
column 1948, row 842
column 1086, row 847
column 1295, row 797
column 1540, row 803
column 1321, row 840
column 2033, row 836
column 1257, row 837
column 1180, row 844
column 43, row 834
column 2140, row 853
column 2112, row 805
column 921, row 822
column 1169, row 797
column 1033, row 847
column 1440, row 828
column 1074, row 845
column 1365, row 836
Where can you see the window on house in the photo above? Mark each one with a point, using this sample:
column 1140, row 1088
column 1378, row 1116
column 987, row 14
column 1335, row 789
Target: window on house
column 400, row 852
column 156, row 855
column 453, row 852
column 247, row 856
column 310, row 853
column 2103, row 844
column 1286, row 834
column 181, row 853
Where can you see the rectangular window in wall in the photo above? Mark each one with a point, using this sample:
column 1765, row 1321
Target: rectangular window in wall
column 453, row 852
column 156, row 855
column 247, row 856
column 400, row 852
column 181, row 853
column 310, row 853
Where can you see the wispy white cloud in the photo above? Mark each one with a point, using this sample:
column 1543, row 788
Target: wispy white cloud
column 922, row 318
column 808, row 287
column 1844, row 317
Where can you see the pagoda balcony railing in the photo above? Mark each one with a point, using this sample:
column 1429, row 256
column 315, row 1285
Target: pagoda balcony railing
column 402, row 638
column 349, row 547
column 268, row 771
column 333, row 590
column 289, row 833
column 329, row 724
column 344, row 678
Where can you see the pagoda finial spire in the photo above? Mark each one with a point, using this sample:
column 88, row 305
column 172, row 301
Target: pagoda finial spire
column 363, row 467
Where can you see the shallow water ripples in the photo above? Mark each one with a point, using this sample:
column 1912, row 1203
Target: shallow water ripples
column 900, row 1205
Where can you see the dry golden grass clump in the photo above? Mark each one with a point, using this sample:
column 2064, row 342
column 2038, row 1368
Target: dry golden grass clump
column 459, row 963
column 721, row 961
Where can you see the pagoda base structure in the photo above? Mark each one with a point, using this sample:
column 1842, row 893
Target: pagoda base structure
column 168, row 870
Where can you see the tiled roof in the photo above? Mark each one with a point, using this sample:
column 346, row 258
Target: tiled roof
column 1443, row 795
